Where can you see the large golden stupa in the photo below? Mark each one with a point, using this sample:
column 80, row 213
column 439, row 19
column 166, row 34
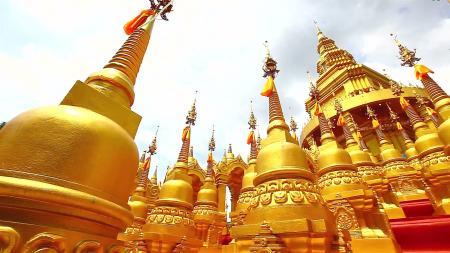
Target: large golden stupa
column 370, row 171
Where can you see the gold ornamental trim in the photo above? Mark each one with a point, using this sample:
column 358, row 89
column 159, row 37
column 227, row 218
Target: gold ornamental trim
column 30, row 189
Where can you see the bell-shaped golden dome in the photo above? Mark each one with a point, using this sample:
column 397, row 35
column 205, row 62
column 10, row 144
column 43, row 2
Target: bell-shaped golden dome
column 208, row 193
column 71, row 147
column 138, row 206
column 176, row 191
column 281, row 158
column 332, row 156
column 358, row 156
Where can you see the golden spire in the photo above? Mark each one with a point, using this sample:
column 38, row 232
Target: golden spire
column 211, row 148
column 394, row 117
column 330, row 54
column 143, row 176
column 276, row 118
column 212, row 141
column 408, row 57
column 191, row 151
column 293, row 125
column 376, row 125
column 155, row 174
column 186, row 136
column 142, row 160
column 229, row 154
column 349, row 140
column 251, row 137
column 325, row 129
column 258, row 142
column 116, row 80
column 152, row 148
column 319, row 32
column 278, row 135
column 437, row 94
column 392, row 114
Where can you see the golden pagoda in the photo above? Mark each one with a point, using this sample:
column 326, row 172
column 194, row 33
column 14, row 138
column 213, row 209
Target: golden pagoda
column 370, row 171
column 286, row 199
column 170, row 224
column 59, row 190
column 208, row 221
column 247, row 188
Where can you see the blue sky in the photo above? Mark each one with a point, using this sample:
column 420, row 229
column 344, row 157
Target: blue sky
column 214, row 47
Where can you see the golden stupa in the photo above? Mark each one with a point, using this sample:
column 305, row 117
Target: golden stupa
column 371, row 161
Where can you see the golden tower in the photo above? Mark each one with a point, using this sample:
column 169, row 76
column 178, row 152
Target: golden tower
column 170, row 224
column 59, row 190
column 208, row 221
column 247, row 190
column 286, row 200
column 139, row 203
column 357, row 85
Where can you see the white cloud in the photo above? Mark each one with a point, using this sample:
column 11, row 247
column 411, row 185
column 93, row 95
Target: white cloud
column 214, row 47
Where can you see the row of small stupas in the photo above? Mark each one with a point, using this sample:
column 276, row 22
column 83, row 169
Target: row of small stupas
column 67, row 171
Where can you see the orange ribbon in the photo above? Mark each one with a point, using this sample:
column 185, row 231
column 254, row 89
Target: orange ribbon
column 317, row 109
column 146, row 163
column 421, row 71
column 250, row 137
column 268, row 87
column 375, row 123
column 186, row 133
column 210, row 157
column 404, row 103
column 137, row 21
column 341, row 121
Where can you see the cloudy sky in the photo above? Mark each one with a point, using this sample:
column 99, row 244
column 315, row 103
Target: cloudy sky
column 214, row 47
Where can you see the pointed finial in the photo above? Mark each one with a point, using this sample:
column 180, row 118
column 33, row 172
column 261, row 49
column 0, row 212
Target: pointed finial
column 155, row 173
column 392, row 114
column 338, row 105
column 152, row 148
column 192, row 114
column 252, row 119
column 212, row 142
column 420, row 100
column 313, row 91
column 293, row 125
column 142, row 157
column 270, row 65
column 258, row 141
column 162, row 8
column 407, row 57
column 397, row 88
column 371, row 113
column 167, row 173
column 191, row 151
column 316, row 24
column 266, row 45
column 230, row 149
